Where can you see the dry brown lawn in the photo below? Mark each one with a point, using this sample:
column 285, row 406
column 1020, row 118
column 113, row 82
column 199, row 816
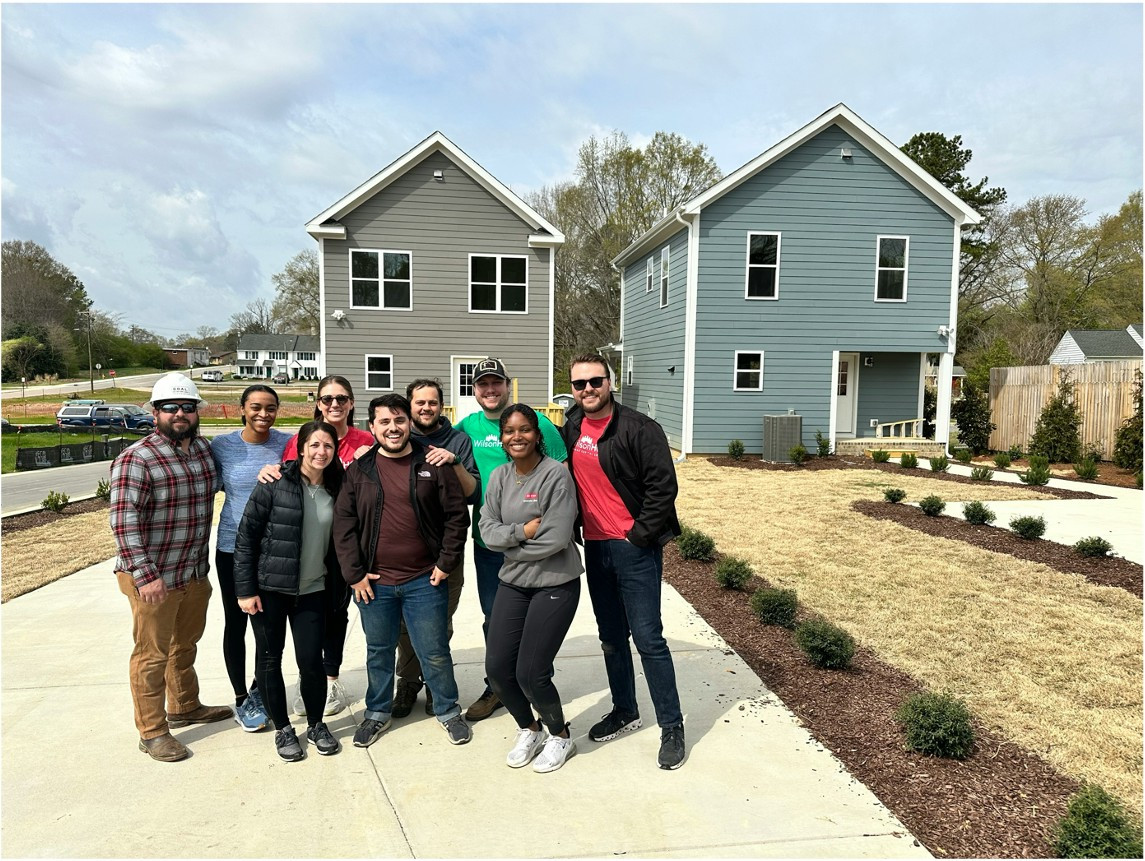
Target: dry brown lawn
column 35, row 557
column 1050, row 660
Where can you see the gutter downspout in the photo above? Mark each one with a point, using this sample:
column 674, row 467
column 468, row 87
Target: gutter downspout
column 691, row 277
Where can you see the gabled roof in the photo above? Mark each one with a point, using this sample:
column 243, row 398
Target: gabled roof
column 288, row 343
column 851, row 123
column 1106, row 343
column 325, row 223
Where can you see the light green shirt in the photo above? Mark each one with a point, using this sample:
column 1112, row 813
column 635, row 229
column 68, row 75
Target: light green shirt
column 317, row 523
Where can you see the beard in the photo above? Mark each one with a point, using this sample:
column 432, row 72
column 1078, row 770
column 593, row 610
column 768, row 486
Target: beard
column 174, row 434
column 394, row 447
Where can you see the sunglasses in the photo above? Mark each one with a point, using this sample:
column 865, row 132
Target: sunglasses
column 170, row 409
column 340, row 400
column 595, row 382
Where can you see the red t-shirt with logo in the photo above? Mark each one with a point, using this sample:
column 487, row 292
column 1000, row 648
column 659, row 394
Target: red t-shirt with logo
column 605, row 514
column 354, row 439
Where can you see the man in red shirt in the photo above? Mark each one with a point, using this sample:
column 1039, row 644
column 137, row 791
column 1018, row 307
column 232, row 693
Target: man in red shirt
column 626, row 485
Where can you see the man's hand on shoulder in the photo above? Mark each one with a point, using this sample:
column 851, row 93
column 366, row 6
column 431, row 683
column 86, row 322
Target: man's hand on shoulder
column 270, row 473
column 439, row 456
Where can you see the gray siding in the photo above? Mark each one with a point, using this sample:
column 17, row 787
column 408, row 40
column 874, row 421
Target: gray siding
column 440, row 224
column 829, row 213
column 888, row 390
column 654, row 337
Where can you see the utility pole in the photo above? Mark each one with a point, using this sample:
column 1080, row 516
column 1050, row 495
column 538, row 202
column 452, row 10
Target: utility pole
column 90, row 370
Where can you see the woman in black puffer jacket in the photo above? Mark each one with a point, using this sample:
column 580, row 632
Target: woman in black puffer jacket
column 285, row 566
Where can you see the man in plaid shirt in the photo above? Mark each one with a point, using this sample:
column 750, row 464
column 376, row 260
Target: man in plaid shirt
column 162, row 499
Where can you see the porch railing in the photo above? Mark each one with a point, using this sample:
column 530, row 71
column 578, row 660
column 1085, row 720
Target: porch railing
column 903, row 428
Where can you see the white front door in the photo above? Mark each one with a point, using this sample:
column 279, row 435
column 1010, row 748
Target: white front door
column 461, row 386
column 846, row 392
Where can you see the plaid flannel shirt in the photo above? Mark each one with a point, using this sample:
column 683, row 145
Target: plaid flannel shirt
column 162, row 504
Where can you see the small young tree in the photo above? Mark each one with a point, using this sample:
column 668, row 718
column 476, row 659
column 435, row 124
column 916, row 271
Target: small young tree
column 972, row 414
column 1057, row 436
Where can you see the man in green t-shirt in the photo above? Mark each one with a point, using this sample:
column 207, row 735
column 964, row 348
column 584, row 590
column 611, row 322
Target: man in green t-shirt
column 491, row 388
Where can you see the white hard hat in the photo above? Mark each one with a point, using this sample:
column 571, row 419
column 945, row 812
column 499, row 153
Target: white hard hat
column 174, row 387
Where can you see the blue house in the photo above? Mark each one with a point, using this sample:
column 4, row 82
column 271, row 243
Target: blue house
column 815, row 279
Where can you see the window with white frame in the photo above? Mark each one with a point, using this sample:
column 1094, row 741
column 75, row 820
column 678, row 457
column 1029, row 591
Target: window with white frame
column 250, row 354
column 748, row 375
column 890, row 269
column 381, row 279
column 498, row 284
column 277, row 356
column 762, row 266
column 307, row 357
column 664, row 276
column 649, row 275
column 380, row 372
column 628, row 372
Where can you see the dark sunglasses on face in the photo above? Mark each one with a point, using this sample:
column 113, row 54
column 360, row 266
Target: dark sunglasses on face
column 341, row 400
column 170, row 409
column 595, row 382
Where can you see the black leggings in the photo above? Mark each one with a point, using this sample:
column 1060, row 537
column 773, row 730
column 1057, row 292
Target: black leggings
column 307, row 615
column 234, row 627
column 337, row 621
column 525, row 633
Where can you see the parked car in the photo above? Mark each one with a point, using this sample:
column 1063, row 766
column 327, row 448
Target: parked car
column 212, row 376
column 281, row 379
column 125, row 417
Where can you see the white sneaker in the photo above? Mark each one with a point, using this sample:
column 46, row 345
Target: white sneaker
column 299, row 705
column 336, row 698
column 526, row 747
column 557, row 751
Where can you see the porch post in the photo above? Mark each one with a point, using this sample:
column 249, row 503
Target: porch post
column 833, row 395
column 942, row 413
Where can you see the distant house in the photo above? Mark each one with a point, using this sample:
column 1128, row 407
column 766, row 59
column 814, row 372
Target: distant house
column 957, row 379
column 226, row 357
column 267, row 356
column 1082, row 346
column 814, row 279
column 427, row 268
column 187, row 357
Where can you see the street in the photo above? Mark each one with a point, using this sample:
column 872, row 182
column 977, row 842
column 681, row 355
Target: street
column 82, row 388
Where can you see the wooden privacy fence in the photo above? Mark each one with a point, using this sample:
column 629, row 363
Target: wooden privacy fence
column 1104, row 392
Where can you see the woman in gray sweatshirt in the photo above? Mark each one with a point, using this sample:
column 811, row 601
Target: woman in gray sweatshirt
column 528, row 514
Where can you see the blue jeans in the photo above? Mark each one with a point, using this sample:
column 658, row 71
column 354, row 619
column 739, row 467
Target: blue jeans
column 624, row 586
column 425, row 611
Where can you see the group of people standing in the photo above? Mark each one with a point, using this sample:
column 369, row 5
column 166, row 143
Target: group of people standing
column 335, row 514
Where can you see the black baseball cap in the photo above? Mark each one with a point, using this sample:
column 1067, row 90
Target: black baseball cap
column 490, row 367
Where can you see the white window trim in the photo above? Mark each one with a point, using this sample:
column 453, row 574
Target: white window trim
column 381, row 306
column 665, row 269
column 367, row 371
column 748, row 267
column 649, row 275
column 499, row 283
column 628, row 371
column 905, row 267
column 736, row 371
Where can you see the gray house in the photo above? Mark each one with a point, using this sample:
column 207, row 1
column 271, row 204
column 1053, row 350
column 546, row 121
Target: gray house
column 427, row 268
column 1083, row 346
column 815, row 279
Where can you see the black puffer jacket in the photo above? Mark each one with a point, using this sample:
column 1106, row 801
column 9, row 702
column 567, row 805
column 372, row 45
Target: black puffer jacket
column 269, row 539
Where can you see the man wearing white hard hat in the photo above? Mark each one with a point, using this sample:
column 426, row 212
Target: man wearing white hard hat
column 162, row 500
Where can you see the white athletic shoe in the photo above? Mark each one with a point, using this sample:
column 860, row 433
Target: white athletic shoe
column 526, row 747
column 336, row 698
column 557, row 751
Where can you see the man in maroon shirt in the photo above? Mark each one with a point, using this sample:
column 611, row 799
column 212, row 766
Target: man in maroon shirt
column 399, row 528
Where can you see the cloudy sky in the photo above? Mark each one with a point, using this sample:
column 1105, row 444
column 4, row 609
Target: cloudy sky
column 171, row 154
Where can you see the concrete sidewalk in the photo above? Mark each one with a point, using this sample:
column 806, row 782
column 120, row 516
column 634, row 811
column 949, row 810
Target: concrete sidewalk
column 74, row 785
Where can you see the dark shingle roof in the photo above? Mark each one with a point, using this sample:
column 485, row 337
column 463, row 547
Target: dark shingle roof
column 1106, row 342
column 288, row 343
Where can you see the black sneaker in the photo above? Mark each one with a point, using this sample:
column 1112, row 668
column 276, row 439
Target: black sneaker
column 369, row 731
column 319, row 735
column 457, row 730
column 287, row 744
column 404, row 698
column 671, row 747
column 428, row 701
column 613, row 724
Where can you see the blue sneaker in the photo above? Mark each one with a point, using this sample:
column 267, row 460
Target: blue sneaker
column 250, row 715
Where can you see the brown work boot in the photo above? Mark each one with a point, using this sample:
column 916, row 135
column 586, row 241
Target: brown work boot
column 164, row 748
column 203, row 714
column 404, row 698
column 484, row 706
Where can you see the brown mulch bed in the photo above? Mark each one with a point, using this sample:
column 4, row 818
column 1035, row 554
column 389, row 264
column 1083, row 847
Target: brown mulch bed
column 18, row 522
column 841, row 462
column 1107, row 473
column 1105, row 571
column 1001, row 802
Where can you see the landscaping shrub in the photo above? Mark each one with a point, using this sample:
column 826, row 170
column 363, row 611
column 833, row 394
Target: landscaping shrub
column 826, row 645
column 1015, row 452
column 735, row 449
column 1127, row 443
column 962, row 455
column 894, row 494
column 940, row 463
column 1086, row 470
column 880, row 456
column 936, row 725
column 1094, row 545
column 733, row 572
column 1038, row 472
column 981, row 473
column 1057, row 435
column 972, row 414
column 54, row 501
column 694, row 544
column 931, row 505
column 822, row 444
column 978, row 512
column 909, row 460
column 775, row 606
column 1002, row 459
column 1028, row 527
column 797, row 453
column 103, row 490
column 1096, row 825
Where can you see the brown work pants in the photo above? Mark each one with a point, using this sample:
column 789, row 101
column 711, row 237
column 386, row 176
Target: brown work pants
column 163, row 660
column 408, row 667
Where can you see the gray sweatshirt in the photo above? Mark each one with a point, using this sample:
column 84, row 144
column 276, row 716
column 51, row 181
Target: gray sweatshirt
column 550, row 558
